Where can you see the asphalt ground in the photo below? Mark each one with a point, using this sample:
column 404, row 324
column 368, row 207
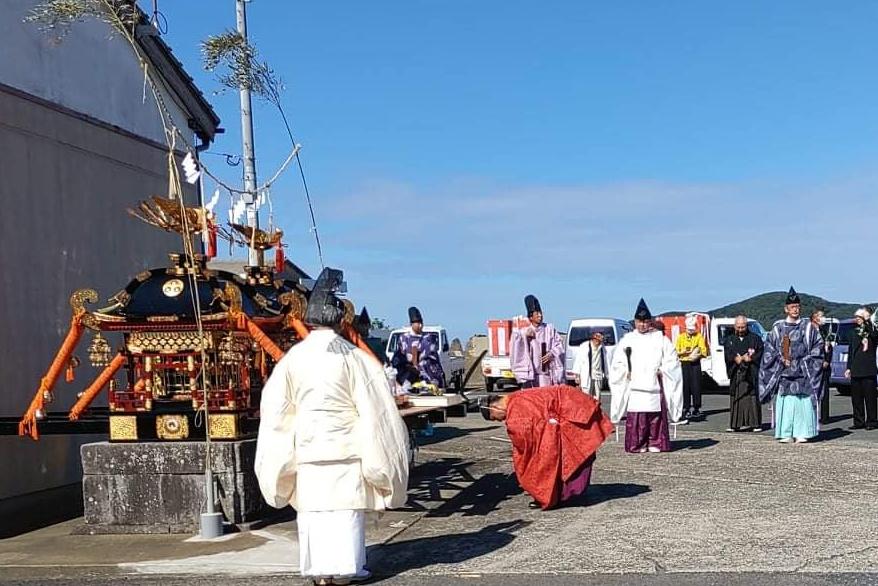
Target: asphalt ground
column 721, row 508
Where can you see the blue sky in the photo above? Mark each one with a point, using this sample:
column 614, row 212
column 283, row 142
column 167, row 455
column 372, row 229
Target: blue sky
column 463, row 154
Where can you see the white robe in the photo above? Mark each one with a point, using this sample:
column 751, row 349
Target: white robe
column 330, row 435
column 651, row 353
column 582, row 367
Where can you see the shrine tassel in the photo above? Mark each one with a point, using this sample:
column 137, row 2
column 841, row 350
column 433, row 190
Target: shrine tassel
column 69, row 375
column 279, row 258
column 211, row 240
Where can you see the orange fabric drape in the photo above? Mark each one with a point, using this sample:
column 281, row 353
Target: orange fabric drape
column 28, row 423
column 300, row 328
column 99, row 383
column 245, row 323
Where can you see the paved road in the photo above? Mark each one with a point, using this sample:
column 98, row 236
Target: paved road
column 721, row 508
column 666, row 579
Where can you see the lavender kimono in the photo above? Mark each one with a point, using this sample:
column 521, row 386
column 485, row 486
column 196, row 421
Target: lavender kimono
column 806, row 359
column 526, row 356
column 429, row 364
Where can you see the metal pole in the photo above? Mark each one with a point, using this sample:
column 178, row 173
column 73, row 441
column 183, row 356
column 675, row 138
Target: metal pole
column 250, row 197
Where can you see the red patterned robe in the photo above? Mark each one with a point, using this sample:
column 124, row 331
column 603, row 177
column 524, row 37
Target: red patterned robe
column 555, row 432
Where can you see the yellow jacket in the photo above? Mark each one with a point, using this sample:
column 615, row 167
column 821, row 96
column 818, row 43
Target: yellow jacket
column 687, row 342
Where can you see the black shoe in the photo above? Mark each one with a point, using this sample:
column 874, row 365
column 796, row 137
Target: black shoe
column 533, row 505
column 857, row 426
column 696, row 414
column 871, row 426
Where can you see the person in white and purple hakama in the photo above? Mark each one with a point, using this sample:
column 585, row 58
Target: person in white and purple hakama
column 536, row 351
column 421, row 349
column 646, row 383
column 790, row 373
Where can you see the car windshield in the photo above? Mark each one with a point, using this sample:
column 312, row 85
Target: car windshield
column 580, row 334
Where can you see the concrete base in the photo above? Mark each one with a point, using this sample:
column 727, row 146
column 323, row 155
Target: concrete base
column 159, row 487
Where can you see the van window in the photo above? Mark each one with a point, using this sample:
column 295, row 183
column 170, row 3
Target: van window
column 580, row 334
column 844, row 332
column 444, row 342
column 725, row 330
column 393, row 343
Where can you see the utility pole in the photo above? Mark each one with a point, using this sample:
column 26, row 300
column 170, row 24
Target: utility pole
column 250, row 195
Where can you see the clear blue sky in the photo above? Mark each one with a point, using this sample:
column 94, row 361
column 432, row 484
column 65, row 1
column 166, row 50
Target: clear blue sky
column 463, row 154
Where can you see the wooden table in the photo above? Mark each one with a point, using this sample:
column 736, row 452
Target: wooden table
column 418, row 417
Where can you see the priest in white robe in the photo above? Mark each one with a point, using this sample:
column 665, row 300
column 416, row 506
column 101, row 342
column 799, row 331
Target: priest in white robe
column 331, row 442
column 646, row 386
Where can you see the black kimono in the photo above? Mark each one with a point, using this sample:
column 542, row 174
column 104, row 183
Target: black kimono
column 745, row 410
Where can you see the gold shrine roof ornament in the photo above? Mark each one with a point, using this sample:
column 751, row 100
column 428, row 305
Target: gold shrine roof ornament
column 169, row 215
column 262, row 240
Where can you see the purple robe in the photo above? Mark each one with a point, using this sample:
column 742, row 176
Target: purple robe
column 803, row 377
column 526, row 354
column 429, row 364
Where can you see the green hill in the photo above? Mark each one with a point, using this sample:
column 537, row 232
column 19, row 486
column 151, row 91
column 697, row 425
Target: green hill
column 768, row 307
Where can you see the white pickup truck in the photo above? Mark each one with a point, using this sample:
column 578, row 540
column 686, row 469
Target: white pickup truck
column 497, row 363
column 452, row 362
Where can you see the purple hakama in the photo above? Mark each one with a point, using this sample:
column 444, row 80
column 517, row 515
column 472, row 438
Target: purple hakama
column 578, row 483
column 645, row 430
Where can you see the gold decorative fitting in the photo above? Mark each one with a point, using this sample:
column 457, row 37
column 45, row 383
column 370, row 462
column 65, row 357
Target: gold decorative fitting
column 232, row 297
column 48, row 397
column 80, row 297
column 172, row 427
column 91, row 320
column 173, row 287
column 122, row 297
column 230, row 350
column 296, row 302
column 99, row 352
column 167, row 342
column 40, row 414
column 223, row 426
column 77, row 302
column 123, row 427
column 142, row 276
column 162, row 318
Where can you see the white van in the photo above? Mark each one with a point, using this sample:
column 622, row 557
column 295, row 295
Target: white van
column 580, row 331
column 714, row 365
column 452, row 362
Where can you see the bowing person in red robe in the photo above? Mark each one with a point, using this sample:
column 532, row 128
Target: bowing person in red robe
column 555, row 432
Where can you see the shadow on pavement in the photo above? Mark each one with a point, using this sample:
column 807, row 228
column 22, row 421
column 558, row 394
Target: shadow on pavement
column 826, row 435
column 394, row 558
column 708, row 412
column 447, row 432
column 693, row 444
column 600, row 493
column 837, row 418
column 480, row 498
